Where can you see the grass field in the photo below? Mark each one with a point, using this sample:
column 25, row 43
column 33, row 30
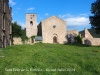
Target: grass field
column 50, row 59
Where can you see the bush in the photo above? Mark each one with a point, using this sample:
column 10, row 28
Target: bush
column 78, row 39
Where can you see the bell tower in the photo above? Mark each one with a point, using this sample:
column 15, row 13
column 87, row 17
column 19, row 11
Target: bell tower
column 31, row 25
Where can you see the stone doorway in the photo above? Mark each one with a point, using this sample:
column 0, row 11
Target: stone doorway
column 54, row 39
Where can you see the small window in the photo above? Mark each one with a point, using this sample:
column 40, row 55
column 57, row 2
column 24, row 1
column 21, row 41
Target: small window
column 31, row 23
column 31, row 17
column 54, row 26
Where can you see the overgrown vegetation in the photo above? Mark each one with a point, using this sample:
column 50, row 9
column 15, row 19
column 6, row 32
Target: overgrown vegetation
column 17, row 31
column 74, row 59
column 23, row 36
column 78, row 39
column 32, row 38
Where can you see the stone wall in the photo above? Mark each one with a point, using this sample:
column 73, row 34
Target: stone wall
column 87, row 34
column 5, row 24
column 1, row 4
column 17, row 40
column 53, row 30
column 89, row 40
column 31, row 25
column 71, row 34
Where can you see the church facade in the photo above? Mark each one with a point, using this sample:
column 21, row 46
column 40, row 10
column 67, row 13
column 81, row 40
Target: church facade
column 52, row 30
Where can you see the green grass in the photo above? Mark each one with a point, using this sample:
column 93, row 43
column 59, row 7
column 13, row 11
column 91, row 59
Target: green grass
column 1, row 53
column 73, row 59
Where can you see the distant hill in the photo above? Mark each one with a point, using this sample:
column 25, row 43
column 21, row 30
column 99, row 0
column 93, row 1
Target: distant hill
column 93, row 33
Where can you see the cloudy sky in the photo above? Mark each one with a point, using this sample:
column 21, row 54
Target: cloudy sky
column 75, row 12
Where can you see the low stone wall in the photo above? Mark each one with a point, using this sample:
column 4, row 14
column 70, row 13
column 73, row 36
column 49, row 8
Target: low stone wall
column 91, row 41
column 71, row 34
column 17, row 40
column 29, row 41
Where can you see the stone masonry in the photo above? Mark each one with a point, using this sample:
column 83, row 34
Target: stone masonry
column 31, row 25
column 88, row 39
column 53, row 30
column 5, row 24
column 71, row 34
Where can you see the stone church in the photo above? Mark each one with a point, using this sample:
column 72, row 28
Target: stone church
column 52, row 29
column 5, row 24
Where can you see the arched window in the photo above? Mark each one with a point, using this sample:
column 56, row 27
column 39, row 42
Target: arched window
column 31, row 23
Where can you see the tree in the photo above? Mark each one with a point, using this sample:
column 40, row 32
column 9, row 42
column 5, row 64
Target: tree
column 16, row 30
column 78, row 39
column 23, row 36
column 95, row 19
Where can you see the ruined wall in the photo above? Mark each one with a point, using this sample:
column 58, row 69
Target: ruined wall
column 71, row 34
column 87, row 34
column 89, row 40
column 1, row 11
column 5, row 23
column 17, row 40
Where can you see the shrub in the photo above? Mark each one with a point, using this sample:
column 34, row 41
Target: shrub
column 78, row 39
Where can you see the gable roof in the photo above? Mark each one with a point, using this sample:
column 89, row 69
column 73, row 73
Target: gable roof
column 55, row 17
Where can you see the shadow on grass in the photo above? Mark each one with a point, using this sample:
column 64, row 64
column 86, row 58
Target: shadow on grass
column 79, row 45
column 71, row 44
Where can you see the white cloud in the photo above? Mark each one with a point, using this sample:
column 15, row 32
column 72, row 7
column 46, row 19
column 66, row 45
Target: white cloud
column 11, row 2
column 31, row 8
column 79, row 20
column 66, row 15
column 46, row 14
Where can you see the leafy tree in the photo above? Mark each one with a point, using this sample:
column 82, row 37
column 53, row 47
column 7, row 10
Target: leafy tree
column 23, row 36
column 95, row 19
column 16, row 30
column 78, row 39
